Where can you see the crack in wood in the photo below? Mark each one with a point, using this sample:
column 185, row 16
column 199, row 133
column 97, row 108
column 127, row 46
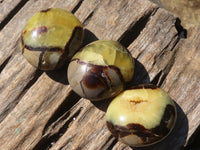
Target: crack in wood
column 181, row 33
column 168, row 48
column 12, row 105
column 49, row 138
column 86, row 20
column 135, row 29
column 77, row 6
column 171, row 45
column 162, row 79
column 159, row 78
column 170, row 63
column 4, row 64
column 89, row 17
column 60, row 113
column 113, row 141
column 156, row 79
column 12, row 13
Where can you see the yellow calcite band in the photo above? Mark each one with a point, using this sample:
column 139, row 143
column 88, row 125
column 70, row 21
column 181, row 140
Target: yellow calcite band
column 139, row 106
column 58, row 20
column 107, row 52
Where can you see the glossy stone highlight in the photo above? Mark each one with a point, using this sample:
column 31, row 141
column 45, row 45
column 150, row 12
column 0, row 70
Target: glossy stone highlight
column 141, row 116
column 50, row 38
column 100, row 70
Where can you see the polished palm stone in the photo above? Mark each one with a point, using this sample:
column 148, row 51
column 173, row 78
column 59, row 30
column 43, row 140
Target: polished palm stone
column 100, row 70
column 141, row 116
column 50, row 38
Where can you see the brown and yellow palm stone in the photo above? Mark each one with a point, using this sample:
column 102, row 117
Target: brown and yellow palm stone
column 50, row 38
column 141, row 116
column 100, row 70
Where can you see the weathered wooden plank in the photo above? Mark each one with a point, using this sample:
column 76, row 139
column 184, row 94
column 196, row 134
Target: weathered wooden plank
column 175, row 69
column 87, row 131
column 7, row 7
column 23, row 127
column 32, row 98
column 48, row 115
column 77, row 139
column 14, row 80
column 116, row 16
column 156, row 48
column 183, row 80
column 159, row 36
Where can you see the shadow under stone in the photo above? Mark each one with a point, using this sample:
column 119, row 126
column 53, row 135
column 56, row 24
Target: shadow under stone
column 89, row 37
column 140, row 76
column 59, row 75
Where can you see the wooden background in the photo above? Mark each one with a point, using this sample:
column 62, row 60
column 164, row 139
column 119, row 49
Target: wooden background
column 39, row 110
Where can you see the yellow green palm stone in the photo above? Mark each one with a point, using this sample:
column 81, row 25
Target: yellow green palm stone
column 50, row 38
column 141, row 116
column 100, row 70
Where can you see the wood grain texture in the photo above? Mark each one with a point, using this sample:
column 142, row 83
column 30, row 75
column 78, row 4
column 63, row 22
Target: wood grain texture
column 39, row 110
column 8, row 7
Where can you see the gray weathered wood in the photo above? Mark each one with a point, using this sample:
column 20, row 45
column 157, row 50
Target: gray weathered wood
column 7, row 6
column 38, row 110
